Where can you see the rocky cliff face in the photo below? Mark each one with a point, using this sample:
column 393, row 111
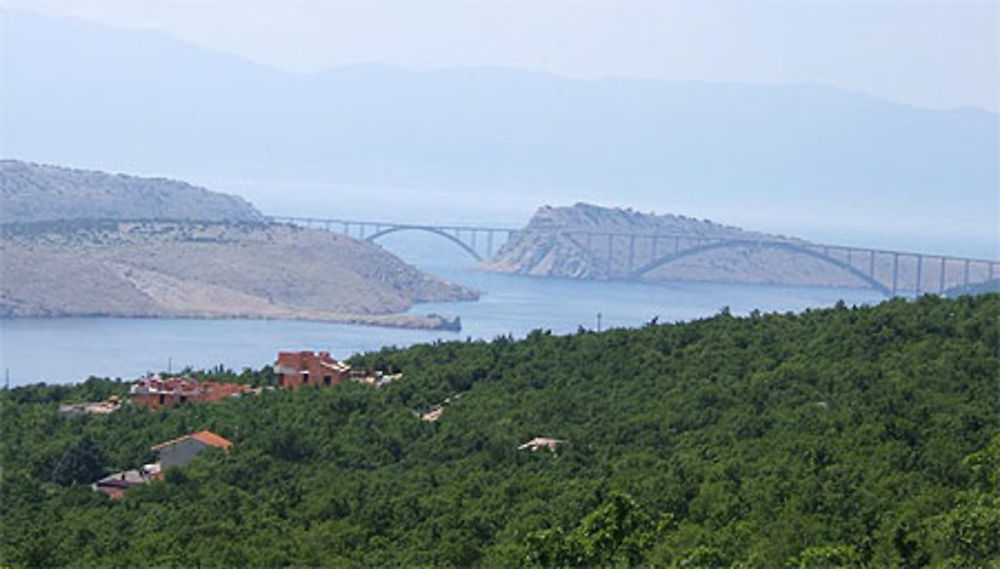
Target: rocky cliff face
column 591, row 242
column 209, row 270
column 33, row 192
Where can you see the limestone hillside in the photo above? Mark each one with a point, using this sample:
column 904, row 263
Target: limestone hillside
column 553, row 244
column 172, row 269
column 34, row 192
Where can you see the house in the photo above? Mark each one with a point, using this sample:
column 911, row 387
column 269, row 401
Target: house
column 295, row 369
column 540, row 443
column 116, row 484
column 177, row 452
column 158, row 392
column 99, row 408
column 180, row 451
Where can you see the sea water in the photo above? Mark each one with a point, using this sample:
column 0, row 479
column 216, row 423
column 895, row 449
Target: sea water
column 61, row 350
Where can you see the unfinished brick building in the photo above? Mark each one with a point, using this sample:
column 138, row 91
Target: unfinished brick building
column 159, row 392
column 295, row 369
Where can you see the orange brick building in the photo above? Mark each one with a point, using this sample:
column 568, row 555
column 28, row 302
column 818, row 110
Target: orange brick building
column 159, row 392
column 295, row 369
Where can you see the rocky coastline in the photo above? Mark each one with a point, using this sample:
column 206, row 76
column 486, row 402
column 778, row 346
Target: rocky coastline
column 77, row 243
column 212, row 270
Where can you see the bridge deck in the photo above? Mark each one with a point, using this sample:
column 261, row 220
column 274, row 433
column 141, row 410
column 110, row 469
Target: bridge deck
column 633, row 255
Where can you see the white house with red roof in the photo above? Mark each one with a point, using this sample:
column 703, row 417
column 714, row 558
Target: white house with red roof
column 180, row 451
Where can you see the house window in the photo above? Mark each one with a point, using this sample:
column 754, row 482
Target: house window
column 305, row 377
column 327, row 379
column 162, row 399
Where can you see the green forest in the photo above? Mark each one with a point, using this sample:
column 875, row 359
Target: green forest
column 842, row 437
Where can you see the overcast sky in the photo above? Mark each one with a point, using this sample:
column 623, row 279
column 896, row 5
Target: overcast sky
column 930, row 53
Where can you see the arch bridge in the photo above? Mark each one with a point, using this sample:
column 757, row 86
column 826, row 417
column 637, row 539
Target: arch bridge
column 478, row 242
column 632, row 256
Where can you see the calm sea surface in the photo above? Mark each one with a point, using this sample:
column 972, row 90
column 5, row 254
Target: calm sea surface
column 60, row 350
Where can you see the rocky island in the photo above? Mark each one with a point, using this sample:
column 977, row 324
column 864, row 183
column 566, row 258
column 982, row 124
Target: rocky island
column 573, row 242
column 229, row 263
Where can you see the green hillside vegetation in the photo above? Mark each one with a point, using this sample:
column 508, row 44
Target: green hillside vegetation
column 847, row 437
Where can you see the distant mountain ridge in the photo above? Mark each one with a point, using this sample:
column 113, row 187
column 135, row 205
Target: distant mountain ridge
column 35, row 192
column 82, row 93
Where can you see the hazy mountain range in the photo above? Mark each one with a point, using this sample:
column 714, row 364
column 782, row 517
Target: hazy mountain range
column 87, row 95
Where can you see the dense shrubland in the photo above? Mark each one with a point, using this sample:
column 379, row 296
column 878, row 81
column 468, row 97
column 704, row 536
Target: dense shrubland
column 859, row 437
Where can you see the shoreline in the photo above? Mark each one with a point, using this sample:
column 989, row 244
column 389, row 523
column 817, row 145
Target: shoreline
column 393, row 320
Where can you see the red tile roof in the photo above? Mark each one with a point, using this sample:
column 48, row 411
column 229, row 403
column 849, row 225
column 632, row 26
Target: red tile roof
column 204, row 437
column 212, row 439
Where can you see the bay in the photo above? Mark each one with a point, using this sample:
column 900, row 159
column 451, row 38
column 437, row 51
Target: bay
column 63, row 350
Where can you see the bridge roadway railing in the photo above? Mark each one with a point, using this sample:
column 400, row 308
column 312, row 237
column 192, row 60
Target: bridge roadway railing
column 478, row 241
column 626, row 255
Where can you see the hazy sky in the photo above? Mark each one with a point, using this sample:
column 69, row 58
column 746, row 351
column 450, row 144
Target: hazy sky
column 940, row 53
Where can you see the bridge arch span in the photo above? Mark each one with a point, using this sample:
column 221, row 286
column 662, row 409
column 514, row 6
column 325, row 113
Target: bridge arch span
column 428, row 229
column 793, row 247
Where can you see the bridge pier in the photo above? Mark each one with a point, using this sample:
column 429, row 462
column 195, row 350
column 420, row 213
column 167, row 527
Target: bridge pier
column 920, row 268
column 895, row 273
column 967, row 272
column 631, row 252
column 611, row 239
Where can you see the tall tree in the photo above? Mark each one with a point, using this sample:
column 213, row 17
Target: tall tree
column 83, row 462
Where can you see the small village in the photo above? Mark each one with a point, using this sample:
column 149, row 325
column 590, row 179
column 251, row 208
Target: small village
column 292, row 371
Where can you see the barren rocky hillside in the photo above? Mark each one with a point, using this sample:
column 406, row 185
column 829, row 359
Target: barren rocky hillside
column 34, row 192
column 555, row 243
column 210, row 270
column 85, row 243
